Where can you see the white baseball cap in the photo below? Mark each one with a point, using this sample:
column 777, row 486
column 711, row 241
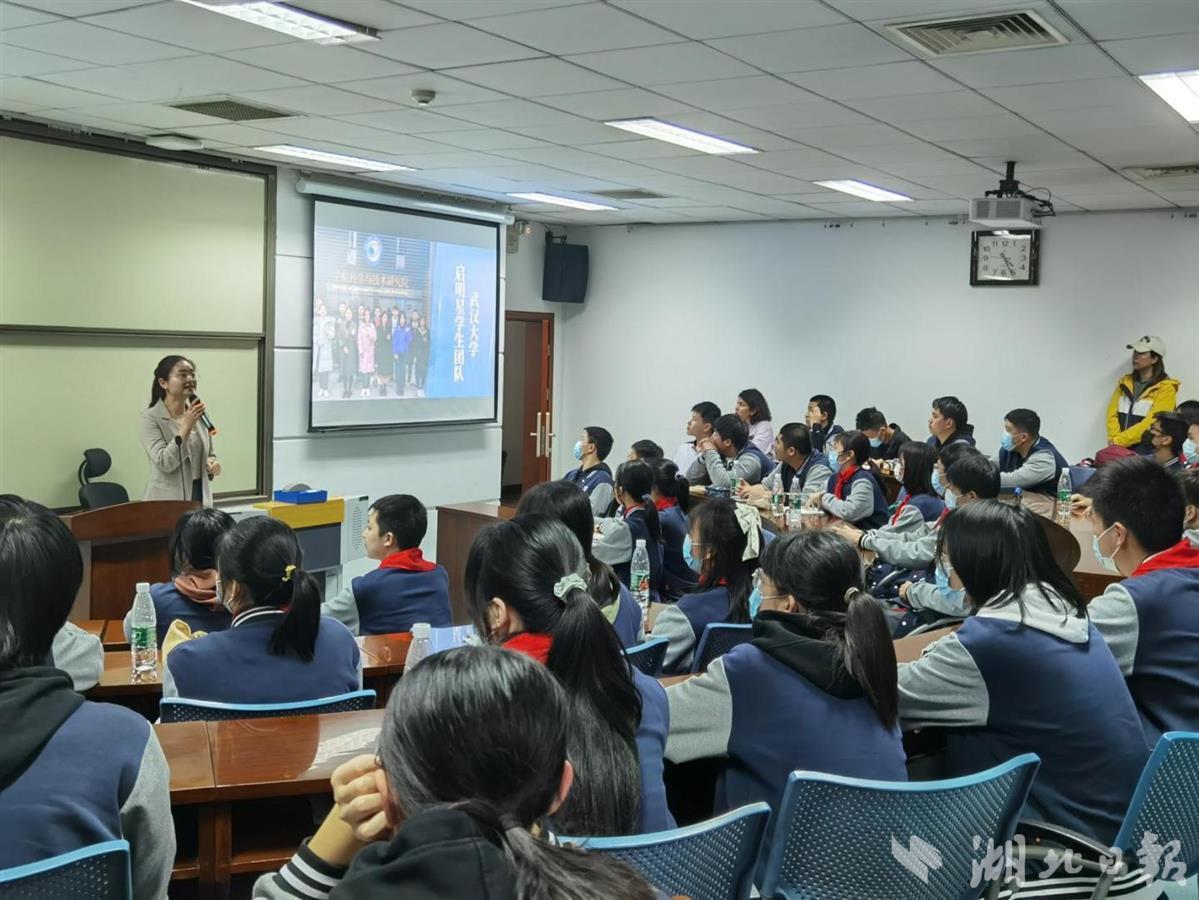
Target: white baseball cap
column 1149, row 343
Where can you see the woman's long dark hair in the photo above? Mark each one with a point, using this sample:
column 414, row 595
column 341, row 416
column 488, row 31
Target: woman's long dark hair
column 999, row 551
column 859, row 445
column 163, row 371
column 823, row 572
column 754, row 400
column 486, row 732
column 636, row 478
column 263, row 556
column 671, row 483
column 520, row 562
column 1157, row 373
column 197, row 533
column 563, row 501
column 918, row 460
column 721, row 535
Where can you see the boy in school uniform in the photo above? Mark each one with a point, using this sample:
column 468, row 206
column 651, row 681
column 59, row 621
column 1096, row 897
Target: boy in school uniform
column 728, row 455
column 1189, row 479
column 1168, row 437
column 948, row 423
column 1150, row 620
column 822, row 409
column 406, row 588
column 1027, row 460
column 699, row 427
column 796, row 461
column 885, row 438
column 593, row 476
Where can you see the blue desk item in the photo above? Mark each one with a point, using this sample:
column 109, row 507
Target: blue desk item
column 300, row 497
column 448, row 638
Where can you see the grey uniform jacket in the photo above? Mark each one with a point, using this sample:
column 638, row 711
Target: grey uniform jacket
column 173, row 466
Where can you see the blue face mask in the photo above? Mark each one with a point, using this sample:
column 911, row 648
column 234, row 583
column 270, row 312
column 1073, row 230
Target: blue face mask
column 755, row 602
column 1191, row 451
column 833, row 462
column 578, row 450
column 876, row 442
column 956, row 596
column 937, row 486
column 951, row 500
column 1006, row 442
column 695, row 564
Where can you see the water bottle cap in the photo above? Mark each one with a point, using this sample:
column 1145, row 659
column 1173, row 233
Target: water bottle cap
column 143, row 587
column 421, row 630
column 640, row 543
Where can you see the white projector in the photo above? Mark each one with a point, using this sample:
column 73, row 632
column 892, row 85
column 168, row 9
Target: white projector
column 1003, row 212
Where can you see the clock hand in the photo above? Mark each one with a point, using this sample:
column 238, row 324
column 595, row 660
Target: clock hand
column 1007, row 262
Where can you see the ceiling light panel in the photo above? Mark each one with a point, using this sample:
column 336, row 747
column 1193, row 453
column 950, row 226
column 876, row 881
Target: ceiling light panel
column 336, row 159
column 570, row 202
column 684, row 137
column 1179, row 89
column 862, row 189
column 289, row 20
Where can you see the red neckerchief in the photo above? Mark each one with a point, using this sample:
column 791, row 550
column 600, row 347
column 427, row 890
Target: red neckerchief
column 410, row 560
column 906, row 501
column 629, row 510
column 666, row 503
column 1181, row 556
column 941, row 518
column 535, row 646
column 846, row 473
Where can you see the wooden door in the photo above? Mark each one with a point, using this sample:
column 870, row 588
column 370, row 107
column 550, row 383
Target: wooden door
column 536, row 426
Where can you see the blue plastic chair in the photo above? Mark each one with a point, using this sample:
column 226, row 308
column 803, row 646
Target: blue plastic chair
column 717, row 640
column 712, row 860
column 1080, row 475
column 838, row 838
column 648, row 656
column 98, row 872
column 176, row 709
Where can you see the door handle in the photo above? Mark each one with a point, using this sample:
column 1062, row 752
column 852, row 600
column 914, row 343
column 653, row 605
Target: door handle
column 537, row 434
column 549, row 435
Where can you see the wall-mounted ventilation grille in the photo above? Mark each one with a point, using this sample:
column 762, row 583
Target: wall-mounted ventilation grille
column 979, row 34
column 232, row 110
column 629, row 194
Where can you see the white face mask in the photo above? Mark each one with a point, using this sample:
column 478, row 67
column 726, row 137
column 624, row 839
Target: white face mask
column 1108, row 562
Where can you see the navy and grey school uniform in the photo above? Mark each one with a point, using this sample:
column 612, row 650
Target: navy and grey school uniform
column 929, row 507
column 77, row 773
column 236, row 666
column 812, row 476
column 626, row 621
column 171, row 605
column 618, row 537
column 79, row 654
column 915, row 547
column 965, row 434
column 987, row 684
column 1151, row 623
column 1037, row 472
column 861, row 501
column 890, row 449
column 819, row 436
column 683, row 625
column 597, row 483
column 651, row 746
column 677, row 576
column 392, row 599
column 779, row 703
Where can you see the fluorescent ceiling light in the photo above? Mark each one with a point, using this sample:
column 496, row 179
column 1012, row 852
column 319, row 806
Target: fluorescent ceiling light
column 337, row 159
column 676, row 134
column 561, row 201
column 1179, row 89
column 289, row 20
column 862, row 189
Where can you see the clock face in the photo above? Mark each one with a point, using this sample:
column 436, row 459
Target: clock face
column 1009, row 258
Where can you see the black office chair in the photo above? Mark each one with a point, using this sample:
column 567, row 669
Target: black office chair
column 95, row 494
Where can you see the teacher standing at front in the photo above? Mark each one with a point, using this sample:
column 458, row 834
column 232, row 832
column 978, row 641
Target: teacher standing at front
column 179, row 447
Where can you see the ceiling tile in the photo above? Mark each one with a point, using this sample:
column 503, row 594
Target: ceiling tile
column 951, row 105
column 901, row 10
column 971, row 127
column 789, row 161
column 189, row 26
column 939, row 207
column 535, row 77
column 379, row 14
column 576, row 29
column 33, row 94
column 897, row 153
column 1182, row 198
column 834, row 46
column 622, row 104
column 78, row 40
column 86, row 121
column 1147, row 113
column 886, row 80
column 238, row 135
column 871, row 134
column 465, row 10
column 916, row 171
column 398, row 89
column 1109, row 21
column 175, row 80
column 19, row 62
column 446, row 45
column 798, row 115
column 511, row 114
column 555, row 156
column 1145, row 56
column 355, row 135
column 75, row 8
column 635, row 150
column 579, row 133
column 13, row 16
column 1042, row 65
column 1120, row 147
column 737, row 93
column 151, row 115
column 720, row 214
column 484, row 139
column 704, row 19
column 1143, row 200
column 1024, row 148
column 1070, row 94
column 320, row 63
column 1045, row 161
column 666, row 64
column 408, row 121
column 657, row 216
column 866, row 209
column 704, row 167
column 317, row 100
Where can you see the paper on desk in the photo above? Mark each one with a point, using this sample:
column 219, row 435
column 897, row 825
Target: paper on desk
column 344, row 745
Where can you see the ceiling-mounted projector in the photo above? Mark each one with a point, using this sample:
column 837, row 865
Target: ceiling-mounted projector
column 1010, row 206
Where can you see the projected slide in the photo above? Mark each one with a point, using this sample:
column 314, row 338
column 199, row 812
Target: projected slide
column 404, row 318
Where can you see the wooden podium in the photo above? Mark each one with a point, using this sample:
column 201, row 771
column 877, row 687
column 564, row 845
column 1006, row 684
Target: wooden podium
column 122, row 545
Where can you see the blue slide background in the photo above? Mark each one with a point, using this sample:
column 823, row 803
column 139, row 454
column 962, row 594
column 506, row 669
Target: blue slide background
column 478, row 369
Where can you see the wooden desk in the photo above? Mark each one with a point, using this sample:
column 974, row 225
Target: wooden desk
column 113, row 636
column 116, row 679
column 457, row 525
column 383, row 658
column 193, row 788
column 92, row 626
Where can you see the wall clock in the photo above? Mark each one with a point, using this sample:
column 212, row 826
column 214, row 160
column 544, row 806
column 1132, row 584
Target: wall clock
column 1005, row 258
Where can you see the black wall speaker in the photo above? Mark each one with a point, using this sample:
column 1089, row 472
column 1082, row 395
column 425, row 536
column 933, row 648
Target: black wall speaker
column 564, row 278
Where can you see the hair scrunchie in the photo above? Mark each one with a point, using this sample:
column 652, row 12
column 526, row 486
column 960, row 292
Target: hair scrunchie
column 566, row 582
column 750, row 521
column 287, row 572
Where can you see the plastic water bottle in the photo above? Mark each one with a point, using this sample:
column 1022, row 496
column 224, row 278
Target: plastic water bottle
column 733, row 479
column 420, row 646
column 1065, row 489
column 639, row 578
column 778, row 500
column 794, row 504
column 143, row 635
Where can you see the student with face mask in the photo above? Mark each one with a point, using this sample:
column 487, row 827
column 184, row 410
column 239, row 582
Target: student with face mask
column 1028, row 461
column 885, row 438
column 853, row 493
column 1189, row 479
column 1189, row 410
column 797, row 461
column 1168, row 437
column 617, row 536
column 593, row 476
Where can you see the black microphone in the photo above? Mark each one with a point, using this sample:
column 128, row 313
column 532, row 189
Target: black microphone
column 204, row 420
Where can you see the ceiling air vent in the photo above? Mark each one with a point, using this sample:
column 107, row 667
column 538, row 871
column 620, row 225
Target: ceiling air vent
column 232, row 110
column 979, row 34
column 1151, row 172
column 629, row 194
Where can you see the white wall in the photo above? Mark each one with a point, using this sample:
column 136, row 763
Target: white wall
column 873, row 313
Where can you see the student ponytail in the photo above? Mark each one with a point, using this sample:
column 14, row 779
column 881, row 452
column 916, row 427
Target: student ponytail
column 869, row 654
column 297, row 632
column 671, row 483
column 724, row 543
column 636, row 479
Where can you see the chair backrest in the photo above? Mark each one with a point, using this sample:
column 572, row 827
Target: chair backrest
column 1080, row 475
column 176, row 709
column 717, row 640
column 1164, row 803
column 838, row 838
column 712, row 860
column 648, row 656
column 1062, row 544
column 96, row 494
column 98, row 872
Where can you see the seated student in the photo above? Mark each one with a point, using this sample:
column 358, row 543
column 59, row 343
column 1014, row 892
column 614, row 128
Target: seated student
column 1029, row 628
column 645, row 450
column 822, row 410
column 885, row 439
column 593, row 474
column 796, row 462
column 699, row 427
column 1151, row 618
column 637, row 520
column 752, row 409
column 191, row 596
column 1028, row 461
column 672, row 497
column 1189, row 479
column 72, row 772
column 852, row 494
column 917, row 500
column 1168, row 437
column 558, row 500
column 727, row 456
column 406, row 588
column 444, row 819
column 723, row 549
column 814, row 690
column 278, row 648
column 525, row 593
column 1189, row 410
column 78, row 653
column 947, row 423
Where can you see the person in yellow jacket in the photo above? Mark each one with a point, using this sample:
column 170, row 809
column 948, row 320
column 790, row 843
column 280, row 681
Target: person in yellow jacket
column 1140, row 395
